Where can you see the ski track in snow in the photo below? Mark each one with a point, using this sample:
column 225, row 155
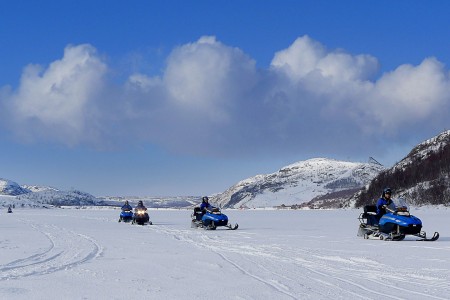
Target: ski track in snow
column 296, row 264
column 66, row 249
column 298, row 273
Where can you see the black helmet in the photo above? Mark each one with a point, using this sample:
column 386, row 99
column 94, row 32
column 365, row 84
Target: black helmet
column 140, row 202
column 205, row 199
column 387, row 191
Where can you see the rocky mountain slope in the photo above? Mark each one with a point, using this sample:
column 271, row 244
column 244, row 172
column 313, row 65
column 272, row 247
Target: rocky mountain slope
column 299, row 183
column 422, row 177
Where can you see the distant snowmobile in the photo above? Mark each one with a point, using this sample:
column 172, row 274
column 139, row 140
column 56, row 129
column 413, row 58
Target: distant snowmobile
column 395, row 225
column 9, row 210
column 126, row 216
column 210, row 219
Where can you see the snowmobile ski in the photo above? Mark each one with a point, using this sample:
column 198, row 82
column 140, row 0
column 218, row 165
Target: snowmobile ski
column 432, row 239
column 231, row 227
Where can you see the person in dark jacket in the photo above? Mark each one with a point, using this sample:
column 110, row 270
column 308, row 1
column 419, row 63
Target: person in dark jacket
column 383, row 202
column 126, row 206
column 205, row 205
column 140, row 206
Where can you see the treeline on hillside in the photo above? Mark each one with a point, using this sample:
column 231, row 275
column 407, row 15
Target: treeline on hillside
column 426, row 179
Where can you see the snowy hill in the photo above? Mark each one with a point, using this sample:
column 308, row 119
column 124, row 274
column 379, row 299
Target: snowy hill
column 17, row 195
column 59, row 198
column 39, row 188
column 11, row 188
column 11, row 193
column 422, row 177
column 154, row 201
column 298, row 183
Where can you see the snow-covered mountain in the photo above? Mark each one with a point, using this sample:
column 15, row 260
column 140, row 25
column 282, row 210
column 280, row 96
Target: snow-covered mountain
column 39, row 188
column 298, row 183
column 17, row 195
column 11, row 188
column 154, row 201
column 59, row 198
column 422, row 177
column 11, row 193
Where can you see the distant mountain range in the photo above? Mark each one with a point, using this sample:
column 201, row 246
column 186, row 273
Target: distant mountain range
column 11, row 193
column 422, row 177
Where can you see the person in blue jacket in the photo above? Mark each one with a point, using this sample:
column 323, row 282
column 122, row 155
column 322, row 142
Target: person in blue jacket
column 126, row 206
column 384, row 202
column 205, row 205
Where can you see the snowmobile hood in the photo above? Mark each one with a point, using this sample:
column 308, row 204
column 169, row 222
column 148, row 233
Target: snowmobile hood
column 403, row 221
column 215, row 217
column 126, row 213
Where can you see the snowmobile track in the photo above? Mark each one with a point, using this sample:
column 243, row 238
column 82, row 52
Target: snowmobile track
column 66, row 249
column 324, row 268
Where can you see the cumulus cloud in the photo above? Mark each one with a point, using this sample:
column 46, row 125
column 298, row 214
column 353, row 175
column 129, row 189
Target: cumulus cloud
column 211, row 99
column 208, row 76
column 54, row 102
column 411, row 94
column 306, row 56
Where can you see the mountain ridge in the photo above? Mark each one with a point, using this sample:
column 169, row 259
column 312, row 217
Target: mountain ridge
column 298, row 183
column 422, row 177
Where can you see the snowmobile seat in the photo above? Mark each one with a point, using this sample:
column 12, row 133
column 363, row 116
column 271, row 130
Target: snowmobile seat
column 198, row 213
column 370, row 213
column 370, row 209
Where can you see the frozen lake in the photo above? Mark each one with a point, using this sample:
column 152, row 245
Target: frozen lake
column 87, row 254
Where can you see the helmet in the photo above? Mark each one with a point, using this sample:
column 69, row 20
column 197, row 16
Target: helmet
column 387, row 191
column 126, row 201
column 140, row 202
column 205, row 199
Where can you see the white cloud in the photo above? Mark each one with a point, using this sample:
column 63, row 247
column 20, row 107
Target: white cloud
column 411, row 94
column 207, row 76
column 211, row 99
column 300, row 59
column 306, row 56
column 54, row 102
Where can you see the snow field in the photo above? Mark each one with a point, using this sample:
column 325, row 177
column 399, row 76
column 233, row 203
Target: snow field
column 315, row 254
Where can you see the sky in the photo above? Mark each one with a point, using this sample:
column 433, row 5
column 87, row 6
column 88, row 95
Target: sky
column 190, row 97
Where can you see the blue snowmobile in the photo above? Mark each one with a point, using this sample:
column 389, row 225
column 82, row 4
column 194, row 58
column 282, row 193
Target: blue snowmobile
column 210, row 219
column 126, row 216
column 395, row 225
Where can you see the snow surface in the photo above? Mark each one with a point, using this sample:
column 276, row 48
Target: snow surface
column 275, row 254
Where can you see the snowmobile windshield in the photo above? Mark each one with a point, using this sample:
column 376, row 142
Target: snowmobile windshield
column 399, row 204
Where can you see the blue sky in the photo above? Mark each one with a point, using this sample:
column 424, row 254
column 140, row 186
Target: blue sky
column 189, row 97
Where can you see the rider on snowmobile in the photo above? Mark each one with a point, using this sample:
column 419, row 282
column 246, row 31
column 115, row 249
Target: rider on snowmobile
column 383, row 202
column 140, row 206
column 205, row 205
column 126, row 206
